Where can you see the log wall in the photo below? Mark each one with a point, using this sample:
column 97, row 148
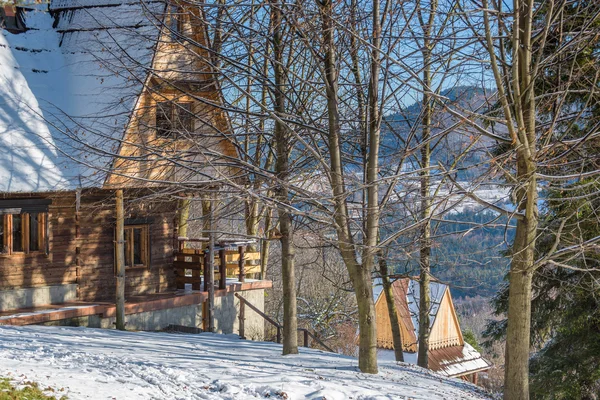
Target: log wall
column 81, row 248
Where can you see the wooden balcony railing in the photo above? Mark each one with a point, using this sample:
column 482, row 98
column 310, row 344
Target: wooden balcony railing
column 191, row 265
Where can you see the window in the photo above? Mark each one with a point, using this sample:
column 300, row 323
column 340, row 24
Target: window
column 23, row 233
column 173, row 117
column 137, row 246
column 176, row 23
column 164, row 122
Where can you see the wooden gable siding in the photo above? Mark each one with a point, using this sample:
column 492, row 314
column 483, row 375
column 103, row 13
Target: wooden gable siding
column 179, row 59
column 181, row 72
column 81, row 249
column 384, row 327
column 445, row 331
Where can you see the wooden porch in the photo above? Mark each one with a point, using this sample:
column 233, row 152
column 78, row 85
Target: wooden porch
column 133, row 304
column 194, row 259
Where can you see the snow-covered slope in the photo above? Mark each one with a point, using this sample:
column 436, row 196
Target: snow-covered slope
column 104, row 364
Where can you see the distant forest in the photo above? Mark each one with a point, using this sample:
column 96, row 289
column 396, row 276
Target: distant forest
column 471, row 260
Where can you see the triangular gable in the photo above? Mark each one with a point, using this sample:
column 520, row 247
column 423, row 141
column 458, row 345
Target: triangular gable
column 436, row 293
column 445, row 330
column 181, row 74
column 384, row 328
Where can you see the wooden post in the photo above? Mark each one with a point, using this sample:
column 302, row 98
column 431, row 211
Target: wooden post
column 120, row 261
column 305, row 331
column 205, row 270
column 211, row 274
column 222, row 270
column 242, row 264
column 77, row 233
column 242, row 318
column 204, row 316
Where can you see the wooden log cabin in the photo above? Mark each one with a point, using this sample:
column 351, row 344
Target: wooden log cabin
column 98, row 96
column 449, row 354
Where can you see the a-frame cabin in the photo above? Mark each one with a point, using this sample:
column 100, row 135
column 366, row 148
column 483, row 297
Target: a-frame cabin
column 99, row 95
column 449, row 354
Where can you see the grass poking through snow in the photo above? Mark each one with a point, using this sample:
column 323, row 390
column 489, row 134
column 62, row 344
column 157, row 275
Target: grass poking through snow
column 25, row 391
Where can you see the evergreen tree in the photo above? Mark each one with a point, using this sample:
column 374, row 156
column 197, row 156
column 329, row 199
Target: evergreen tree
column 565, row 325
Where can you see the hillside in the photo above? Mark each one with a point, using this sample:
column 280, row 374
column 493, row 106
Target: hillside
column 404, row 125
column 468, row 259
column 87, row 363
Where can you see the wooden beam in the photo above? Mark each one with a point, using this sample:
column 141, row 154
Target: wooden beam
column 120, row 261
column 205, row 271
column 242, row 264
column 222, row 270
column 211, row 272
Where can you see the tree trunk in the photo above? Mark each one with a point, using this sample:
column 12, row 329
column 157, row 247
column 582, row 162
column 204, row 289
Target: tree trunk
column 210, row 301
column 360, row 100
column 360, row 276
column 290, row 321
column 206, row 215
column 523, row 251
column 282, row 148
column 517, row 335
column 184, row 214
column 252, row 219
column 367, row 348
column 519, row 299
column 392, row 310
column 266, row 244
column 516, row 374
column 424, row 306
column 425, row 239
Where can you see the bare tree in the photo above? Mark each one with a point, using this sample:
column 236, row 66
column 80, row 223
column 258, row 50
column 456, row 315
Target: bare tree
column 282, row 145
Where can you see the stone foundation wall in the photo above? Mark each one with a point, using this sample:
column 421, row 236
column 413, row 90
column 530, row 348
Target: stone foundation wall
column 13, row 299
column 226, row 311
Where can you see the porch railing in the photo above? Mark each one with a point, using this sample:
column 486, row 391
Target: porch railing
column 191, row 265
column 305, row 332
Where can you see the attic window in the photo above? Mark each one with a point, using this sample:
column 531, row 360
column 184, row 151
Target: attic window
column 176, row 22
column 173, row 117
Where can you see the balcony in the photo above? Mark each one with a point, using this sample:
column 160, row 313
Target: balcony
column 232, row 259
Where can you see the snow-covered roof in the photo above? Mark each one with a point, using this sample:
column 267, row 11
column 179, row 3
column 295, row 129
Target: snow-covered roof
column 452, row 361
column 68, row 86
column 457, row 360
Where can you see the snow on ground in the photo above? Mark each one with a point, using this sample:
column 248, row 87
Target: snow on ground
column 107, row 364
